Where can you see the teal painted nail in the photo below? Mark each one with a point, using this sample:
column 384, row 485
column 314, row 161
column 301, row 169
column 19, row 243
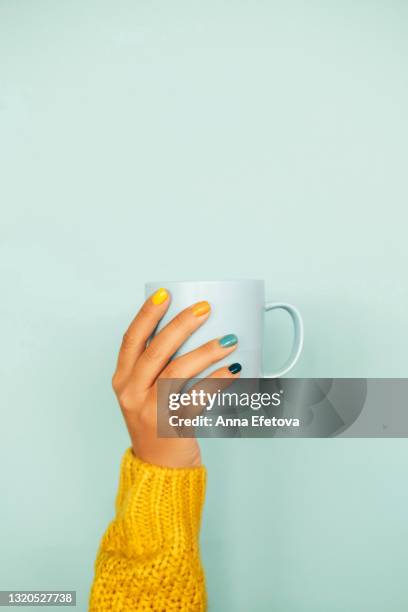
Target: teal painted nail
column 228, row 340
column 234, row 368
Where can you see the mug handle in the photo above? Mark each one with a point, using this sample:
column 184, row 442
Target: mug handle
column 298, row 339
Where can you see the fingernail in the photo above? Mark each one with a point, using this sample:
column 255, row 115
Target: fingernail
column 201, row 308
column 160, row 296
column 234, row 368
column 228, row 340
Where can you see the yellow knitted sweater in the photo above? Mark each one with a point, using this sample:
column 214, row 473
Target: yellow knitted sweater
column 149, row 556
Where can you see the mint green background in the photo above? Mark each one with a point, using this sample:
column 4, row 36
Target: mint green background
column 204, row 140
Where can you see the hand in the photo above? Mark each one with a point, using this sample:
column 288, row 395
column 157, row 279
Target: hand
column 140, row 365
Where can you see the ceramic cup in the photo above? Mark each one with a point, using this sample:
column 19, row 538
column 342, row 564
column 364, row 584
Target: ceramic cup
column 237, row 307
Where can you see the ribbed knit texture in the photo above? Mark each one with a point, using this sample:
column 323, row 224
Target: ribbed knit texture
column 149, row 556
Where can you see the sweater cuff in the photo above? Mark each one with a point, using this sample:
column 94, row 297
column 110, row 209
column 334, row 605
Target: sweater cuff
column 158, row 505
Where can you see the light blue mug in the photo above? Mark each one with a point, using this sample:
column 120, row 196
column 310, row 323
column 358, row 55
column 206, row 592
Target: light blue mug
column 237, row 307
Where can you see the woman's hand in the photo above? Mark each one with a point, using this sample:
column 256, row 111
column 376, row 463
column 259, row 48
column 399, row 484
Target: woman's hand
column 140, row 365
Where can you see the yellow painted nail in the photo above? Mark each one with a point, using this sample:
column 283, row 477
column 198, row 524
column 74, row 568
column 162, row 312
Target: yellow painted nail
column 160, row 296
column 201, row 308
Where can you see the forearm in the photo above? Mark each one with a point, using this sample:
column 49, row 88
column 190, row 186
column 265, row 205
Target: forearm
column 149, row 556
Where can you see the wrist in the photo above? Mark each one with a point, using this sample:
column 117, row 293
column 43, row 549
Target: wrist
column 159, row 457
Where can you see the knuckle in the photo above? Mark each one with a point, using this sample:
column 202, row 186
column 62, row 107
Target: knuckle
column 211, row 353
column 215, row 352
column 146, row 309
column 115, row 382
column 125, row 400
column 128, row 340
column 153, row 352
column 178, row 322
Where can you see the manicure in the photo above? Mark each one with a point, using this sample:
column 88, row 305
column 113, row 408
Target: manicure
column 234, row 368
column 228, row 340
column 160, row 296
column 201, row 308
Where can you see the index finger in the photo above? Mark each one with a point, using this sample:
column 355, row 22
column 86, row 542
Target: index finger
column 139, row 331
